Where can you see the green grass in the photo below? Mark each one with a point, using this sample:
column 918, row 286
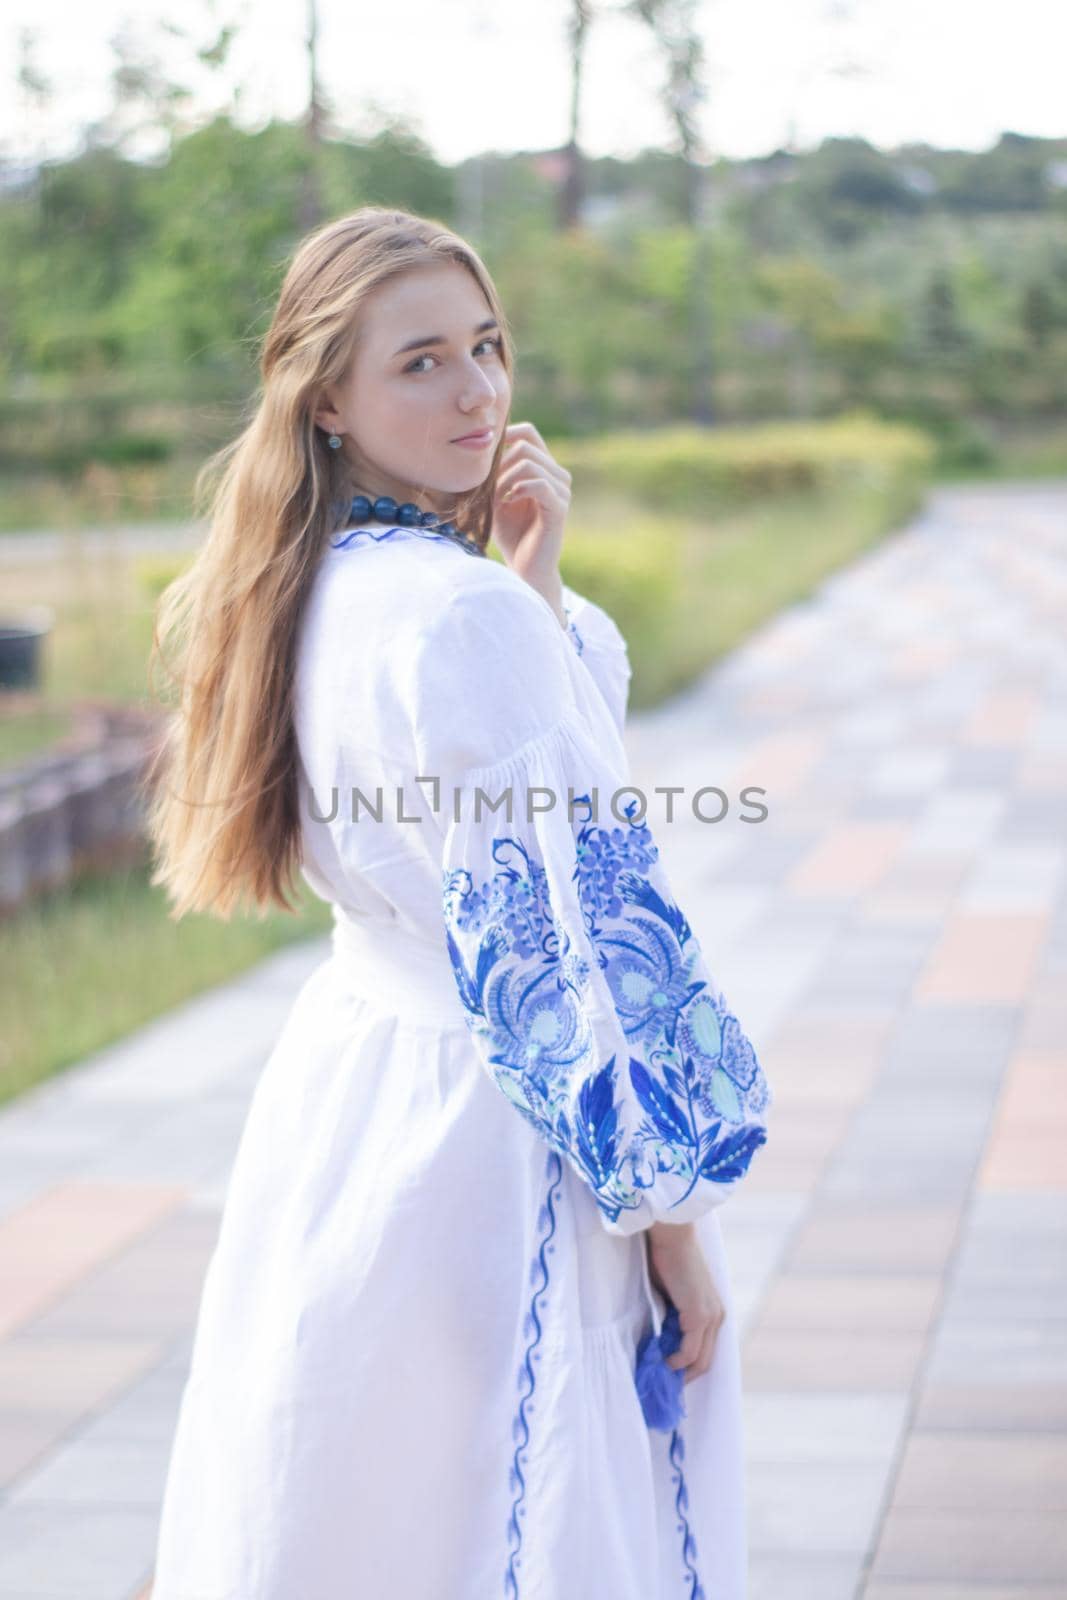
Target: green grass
column 85, row 965
column 29, row 731
column 685, row 592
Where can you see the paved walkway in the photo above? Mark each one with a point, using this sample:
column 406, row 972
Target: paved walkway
column 38, row 547
column 895, row 936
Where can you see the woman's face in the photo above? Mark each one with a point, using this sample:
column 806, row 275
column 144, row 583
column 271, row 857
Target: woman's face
column 427, row 370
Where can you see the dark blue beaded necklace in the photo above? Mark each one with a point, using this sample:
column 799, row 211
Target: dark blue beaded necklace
column 408, row 515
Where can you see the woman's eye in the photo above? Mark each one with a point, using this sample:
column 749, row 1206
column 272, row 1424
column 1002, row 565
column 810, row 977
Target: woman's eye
column 496, row 343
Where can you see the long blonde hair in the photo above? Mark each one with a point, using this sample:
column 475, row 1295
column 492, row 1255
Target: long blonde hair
column 220, row 792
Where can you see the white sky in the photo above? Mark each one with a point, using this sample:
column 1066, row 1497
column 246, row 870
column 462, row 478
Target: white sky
column 492, row 74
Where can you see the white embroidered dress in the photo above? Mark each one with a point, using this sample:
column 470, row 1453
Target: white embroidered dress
column 413, row 1370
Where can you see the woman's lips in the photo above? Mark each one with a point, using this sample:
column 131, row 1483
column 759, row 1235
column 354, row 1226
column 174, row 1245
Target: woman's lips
column 476, row 441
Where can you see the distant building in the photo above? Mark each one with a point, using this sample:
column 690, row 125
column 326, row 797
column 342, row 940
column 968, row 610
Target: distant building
column 920, row 180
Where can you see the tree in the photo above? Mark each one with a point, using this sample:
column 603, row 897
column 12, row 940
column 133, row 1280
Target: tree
column 1039, row 313
column 311, row 193
column 941, row 325
column 572, row 188
column 151, row 101
column 672, row 25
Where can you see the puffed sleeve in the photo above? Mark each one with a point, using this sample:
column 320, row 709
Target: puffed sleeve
column 584, row 987
column 599, row 642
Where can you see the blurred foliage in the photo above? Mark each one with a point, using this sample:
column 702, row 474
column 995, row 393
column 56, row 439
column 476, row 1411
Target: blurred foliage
column 684, row 469
column 920, row 285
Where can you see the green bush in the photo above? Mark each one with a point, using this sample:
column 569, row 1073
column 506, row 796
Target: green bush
column 122, row 449
column 634, row 572
column 640, row 573
column 690, row 469
column 961, row 443
column 67, row 456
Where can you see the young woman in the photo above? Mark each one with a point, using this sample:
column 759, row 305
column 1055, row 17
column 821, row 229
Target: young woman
column 475, row 1192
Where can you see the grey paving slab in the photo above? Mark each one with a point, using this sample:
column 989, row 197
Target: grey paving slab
column 98, row 1473
column 829, row 1508
column 55, row 1551
column 905, row 1589
column 986, row 1408
column 1032, row 1350
column 766, row 858
column 981, row 1032
column 967, row 1302
column 973, row 1545
column 960, row 819
column 1008, row 1260
column 884, row 805
column 756, row 1237
column 1016, row 875
column 908, row 772
column 785, row 1427
column 796, row 1576
column 979, row 767
column 143, row 1414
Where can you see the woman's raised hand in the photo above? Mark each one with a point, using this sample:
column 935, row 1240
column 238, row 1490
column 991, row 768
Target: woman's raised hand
column 531, row 499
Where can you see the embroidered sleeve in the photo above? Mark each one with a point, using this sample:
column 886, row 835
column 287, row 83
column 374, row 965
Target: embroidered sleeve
column 584, row 988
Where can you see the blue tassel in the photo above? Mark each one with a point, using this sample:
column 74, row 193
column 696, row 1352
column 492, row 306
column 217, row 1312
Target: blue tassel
column 659, row 1386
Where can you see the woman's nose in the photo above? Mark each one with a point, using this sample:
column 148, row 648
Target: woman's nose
column 479, row 386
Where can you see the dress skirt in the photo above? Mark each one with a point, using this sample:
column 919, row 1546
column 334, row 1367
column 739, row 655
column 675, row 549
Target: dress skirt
column 412, row 1376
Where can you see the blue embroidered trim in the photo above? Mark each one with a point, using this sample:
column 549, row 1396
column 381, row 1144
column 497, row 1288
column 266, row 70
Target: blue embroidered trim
column 695, row 1590
column 459, row 541
column 572, row 630
column 520, row 1428
column 386, row 533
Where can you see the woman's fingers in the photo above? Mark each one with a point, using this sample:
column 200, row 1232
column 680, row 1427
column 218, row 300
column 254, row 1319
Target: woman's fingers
column 516, row 483
column 707, row 1352
column 698, row 1345
column 524, row 462
column 692, row 1339
column 527, row 450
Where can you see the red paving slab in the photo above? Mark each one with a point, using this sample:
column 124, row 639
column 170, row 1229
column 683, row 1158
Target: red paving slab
column 47, row 1245
column 1027, row 1146
column 984, row 958
column 850, row 858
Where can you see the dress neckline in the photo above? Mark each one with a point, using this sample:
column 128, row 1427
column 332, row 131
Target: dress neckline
column 377, row 532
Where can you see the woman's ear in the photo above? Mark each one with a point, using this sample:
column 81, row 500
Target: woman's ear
column 325, row 415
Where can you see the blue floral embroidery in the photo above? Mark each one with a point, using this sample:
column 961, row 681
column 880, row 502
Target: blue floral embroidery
column 695, row 1590
column 520, row 1428
column 524, row 984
